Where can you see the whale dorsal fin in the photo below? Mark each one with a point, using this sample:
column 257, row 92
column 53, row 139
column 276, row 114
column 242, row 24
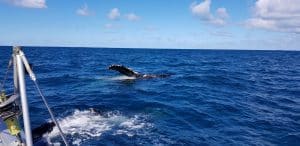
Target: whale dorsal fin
column 123, row 70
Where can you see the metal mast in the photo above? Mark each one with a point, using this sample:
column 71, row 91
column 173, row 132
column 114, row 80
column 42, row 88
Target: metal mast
column 22, row 89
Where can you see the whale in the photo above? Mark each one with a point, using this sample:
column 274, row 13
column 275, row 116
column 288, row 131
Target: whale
column 38, row 132
column 131, row 73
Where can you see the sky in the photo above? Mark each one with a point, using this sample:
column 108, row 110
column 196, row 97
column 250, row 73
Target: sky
column 185, row 24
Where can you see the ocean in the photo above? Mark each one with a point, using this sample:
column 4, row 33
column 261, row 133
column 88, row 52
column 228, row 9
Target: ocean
column 213, row 97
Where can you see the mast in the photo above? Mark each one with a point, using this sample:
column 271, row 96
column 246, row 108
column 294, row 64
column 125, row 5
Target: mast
column 22, row 90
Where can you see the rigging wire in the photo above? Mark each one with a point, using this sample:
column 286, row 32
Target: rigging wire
column 33, row 78
column 6, row 74
column 51, row 113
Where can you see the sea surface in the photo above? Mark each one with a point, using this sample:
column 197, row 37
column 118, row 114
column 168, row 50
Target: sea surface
column 213, row 97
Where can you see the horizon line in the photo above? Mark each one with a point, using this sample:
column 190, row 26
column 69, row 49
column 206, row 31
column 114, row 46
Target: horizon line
column 148, row 48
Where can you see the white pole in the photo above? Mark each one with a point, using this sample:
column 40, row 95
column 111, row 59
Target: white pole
column 16, row 89
column 22, row 88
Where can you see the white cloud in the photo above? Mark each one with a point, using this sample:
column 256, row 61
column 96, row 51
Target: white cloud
column 114, row 14
column 202, row 10
column 221, row 33
column 132, row 17
column 222, row 13
column 109, row 26
column 29, row 3
column 261, row 23
column 112, row 26
column 150, row 29
column 276, row 15
column 83, row 11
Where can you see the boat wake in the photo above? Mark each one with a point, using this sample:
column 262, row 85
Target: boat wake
column 87, row 124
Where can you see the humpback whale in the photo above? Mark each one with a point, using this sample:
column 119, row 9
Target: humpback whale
column 130, row 73
column 37, row 133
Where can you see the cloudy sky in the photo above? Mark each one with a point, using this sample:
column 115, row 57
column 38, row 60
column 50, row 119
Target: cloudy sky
column 201, row 24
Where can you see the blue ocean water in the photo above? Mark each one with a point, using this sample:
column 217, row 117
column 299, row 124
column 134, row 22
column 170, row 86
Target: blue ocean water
column 214, row 97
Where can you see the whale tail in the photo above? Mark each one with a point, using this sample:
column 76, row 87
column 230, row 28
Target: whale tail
column 124, row 70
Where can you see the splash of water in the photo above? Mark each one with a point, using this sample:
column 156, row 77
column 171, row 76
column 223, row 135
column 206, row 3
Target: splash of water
column 123, row 78
column 87, row 124
column 117, row 78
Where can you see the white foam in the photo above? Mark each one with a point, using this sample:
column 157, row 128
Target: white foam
column 117, row 78
column 123, row 78
column 84, row 125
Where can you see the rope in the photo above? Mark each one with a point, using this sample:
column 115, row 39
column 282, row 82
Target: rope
column 51, row 113
column 6, row 73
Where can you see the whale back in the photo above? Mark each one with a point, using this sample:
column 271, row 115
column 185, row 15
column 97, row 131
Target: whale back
column 124, row 70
